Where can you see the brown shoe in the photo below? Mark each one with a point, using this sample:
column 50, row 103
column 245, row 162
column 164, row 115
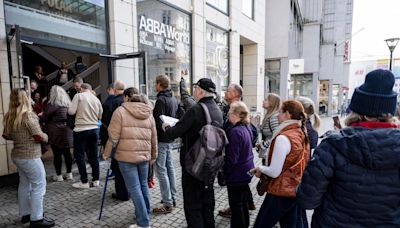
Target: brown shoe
column 227, row 213
column 252, row 207
column 162, row 210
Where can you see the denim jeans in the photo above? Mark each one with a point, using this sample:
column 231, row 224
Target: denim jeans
column 87, row 141
column 135, row 176
column 277, row 208
column 166, row 174
column 32, row 187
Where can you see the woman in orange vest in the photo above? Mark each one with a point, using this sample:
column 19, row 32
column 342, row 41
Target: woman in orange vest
column 286, row 160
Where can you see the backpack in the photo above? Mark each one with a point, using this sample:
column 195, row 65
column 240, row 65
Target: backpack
column 206, row 157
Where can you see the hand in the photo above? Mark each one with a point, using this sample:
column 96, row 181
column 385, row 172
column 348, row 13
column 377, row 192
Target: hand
column 256, row 171
column 258, row 146
column 152, row 161
column 105, row 157
column 164, row 126
column 40, row 114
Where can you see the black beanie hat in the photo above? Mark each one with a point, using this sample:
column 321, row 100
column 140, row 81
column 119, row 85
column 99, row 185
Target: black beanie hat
column 206, row 84
column 375, row 97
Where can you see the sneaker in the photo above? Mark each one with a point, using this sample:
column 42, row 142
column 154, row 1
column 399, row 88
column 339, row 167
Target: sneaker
column 96, row 183
column 68, row 176
column 162, row 210
column 45, row 222
column 227, row 213
column 58, row 178
column 80, row 185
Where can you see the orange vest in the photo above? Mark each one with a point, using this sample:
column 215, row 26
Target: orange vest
column 292, row 171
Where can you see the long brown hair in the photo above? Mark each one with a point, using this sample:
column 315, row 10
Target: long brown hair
column 274, row 102
column 18, row 107
column 296, row 112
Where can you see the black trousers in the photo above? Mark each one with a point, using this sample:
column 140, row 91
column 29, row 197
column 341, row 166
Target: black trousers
column 198, row 202
column 57, row 158
column 120, row 188
column 238, row 202
column 249, row 195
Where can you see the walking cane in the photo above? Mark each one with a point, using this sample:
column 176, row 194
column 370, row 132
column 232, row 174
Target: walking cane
column 105, row 183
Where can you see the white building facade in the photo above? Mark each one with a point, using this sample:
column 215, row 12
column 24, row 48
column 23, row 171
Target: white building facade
column 315, row 64
column 191, row 39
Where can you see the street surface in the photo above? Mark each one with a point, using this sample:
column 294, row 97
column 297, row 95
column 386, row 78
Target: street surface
column 72, row 207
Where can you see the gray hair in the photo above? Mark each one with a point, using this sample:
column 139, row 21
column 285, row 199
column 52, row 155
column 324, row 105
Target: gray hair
column 59, row 97
column 205, row 93
column 86, row 86
column 119, row 85
column 238, row 89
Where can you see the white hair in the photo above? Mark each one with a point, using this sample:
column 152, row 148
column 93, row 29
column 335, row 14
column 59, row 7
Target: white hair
column 205, row 93
column 59, row 97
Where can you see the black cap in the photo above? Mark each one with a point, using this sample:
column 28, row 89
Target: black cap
column 206, row 84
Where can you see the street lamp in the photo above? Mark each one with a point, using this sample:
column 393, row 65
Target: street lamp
column 391, row 43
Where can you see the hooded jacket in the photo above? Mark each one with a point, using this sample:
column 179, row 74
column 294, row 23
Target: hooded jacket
column 133, row 130
column 353, row 179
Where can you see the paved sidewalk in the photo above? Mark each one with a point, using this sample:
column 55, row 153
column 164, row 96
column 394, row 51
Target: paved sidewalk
column 79, row 208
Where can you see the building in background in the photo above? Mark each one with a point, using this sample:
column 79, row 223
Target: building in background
column 308, row 52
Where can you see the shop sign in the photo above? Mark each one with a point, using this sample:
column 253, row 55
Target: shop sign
column 57, row 4
column 159, row 35
column 346, row 55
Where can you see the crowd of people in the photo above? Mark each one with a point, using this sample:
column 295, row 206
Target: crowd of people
column 351, row 179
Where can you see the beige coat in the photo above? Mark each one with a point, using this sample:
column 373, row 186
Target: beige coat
column 133, row 130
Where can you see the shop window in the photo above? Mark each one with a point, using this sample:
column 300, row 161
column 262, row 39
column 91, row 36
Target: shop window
column 164, row 34
column 217, row 57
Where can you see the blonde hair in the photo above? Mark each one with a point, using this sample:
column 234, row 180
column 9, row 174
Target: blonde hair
column 354, row 117
column 18, row 107
column 309, row 109
column 240, row 109
column 274, row 102
column 59, row 97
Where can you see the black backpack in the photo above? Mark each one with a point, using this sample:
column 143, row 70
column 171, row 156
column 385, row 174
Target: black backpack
column 206, row 157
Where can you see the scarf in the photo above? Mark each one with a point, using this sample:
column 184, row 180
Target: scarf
column 373, row 124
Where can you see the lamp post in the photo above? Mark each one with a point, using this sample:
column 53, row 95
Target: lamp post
column 391, row 43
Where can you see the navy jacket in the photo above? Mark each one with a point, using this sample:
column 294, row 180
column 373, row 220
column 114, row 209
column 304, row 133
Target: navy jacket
column 238, row 156
column 353, row 179
column 166, row 104
column 312, row 135
column 110, row 105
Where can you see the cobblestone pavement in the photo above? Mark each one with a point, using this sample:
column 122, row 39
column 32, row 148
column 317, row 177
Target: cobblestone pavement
column 80, row 208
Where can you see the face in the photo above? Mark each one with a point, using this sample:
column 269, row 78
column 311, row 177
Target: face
column 77, row 86
column 196, row 93
column 158, row 87
column 266, row 103
column 283, row 116
column 230, row 95
column 33, row 86
column 110, row 91
column 233, row 118
column 63, row 65
column 37, row 96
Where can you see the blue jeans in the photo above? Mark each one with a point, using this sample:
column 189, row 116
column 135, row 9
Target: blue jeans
column 32, row 187
column 87, row 141
column 166, row 174
column 135, row 176
column 277, row 208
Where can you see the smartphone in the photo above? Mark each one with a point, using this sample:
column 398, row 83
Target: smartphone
column 336, row 122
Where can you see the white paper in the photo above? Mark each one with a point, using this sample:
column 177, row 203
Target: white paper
column 169, row 120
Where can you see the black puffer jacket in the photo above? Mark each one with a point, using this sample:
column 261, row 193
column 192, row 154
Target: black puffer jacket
column 166, row 104
column 190, row 124
column 353, row 179
column 110, row 105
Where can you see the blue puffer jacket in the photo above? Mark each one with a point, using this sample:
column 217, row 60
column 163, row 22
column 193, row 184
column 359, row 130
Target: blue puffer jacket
column 353, row 179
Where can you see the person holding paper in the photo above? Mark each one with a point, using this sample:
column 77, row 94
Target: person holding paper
column 166, row 106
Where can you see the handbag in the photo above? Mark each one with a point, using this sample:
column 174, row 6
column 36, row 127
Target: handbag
column 263, row 184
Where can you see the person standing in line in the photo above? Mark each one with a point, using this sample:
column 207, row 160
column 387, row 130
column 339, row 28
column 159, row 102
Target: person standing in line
column 111, row 104
column 271, row 104
column 60, row 135
column 312, row 128
column 88, row 111
column 238, row 161
column 353, row 178
column 198, row 198
column 233, row 93
column 167, row 105
column 133, row 135
column 21, row 125
column 76, row 87
column 287, row 158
